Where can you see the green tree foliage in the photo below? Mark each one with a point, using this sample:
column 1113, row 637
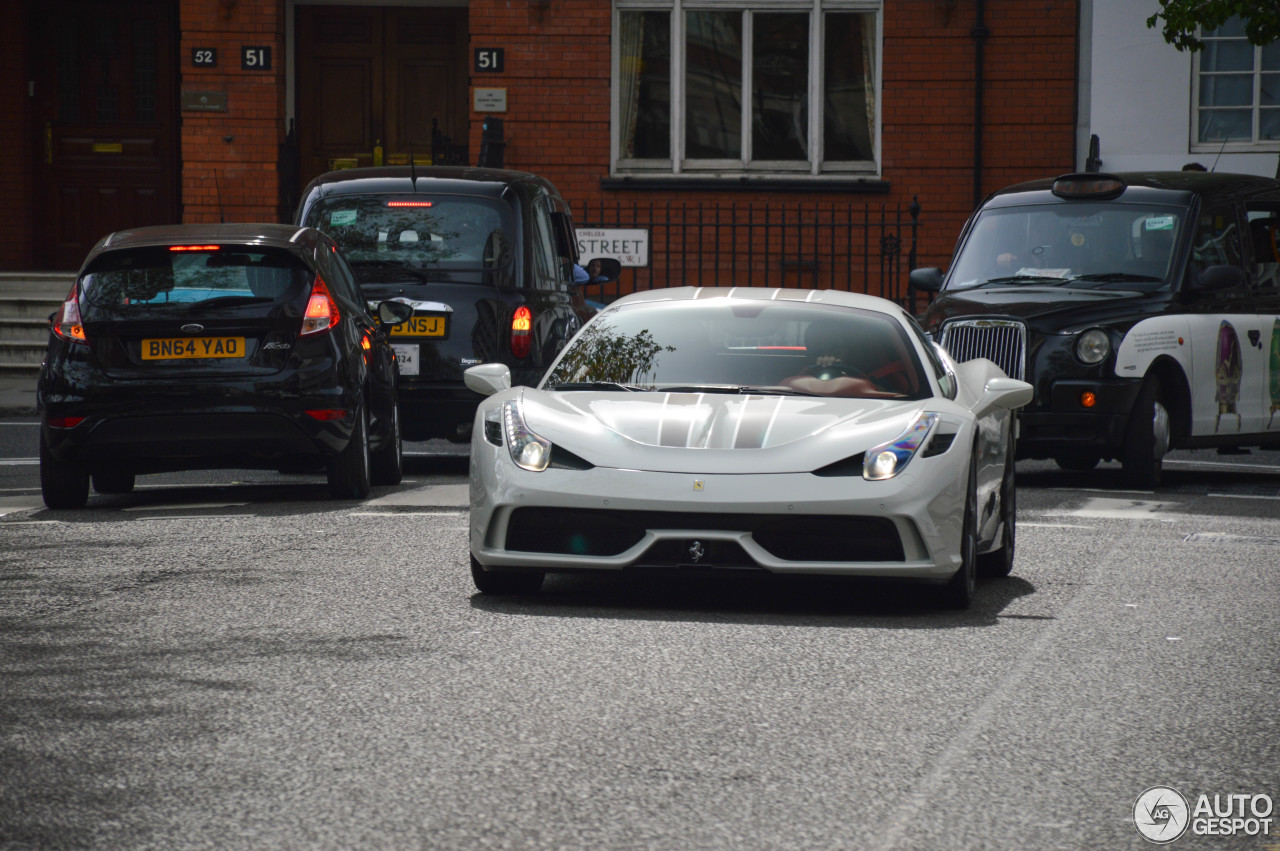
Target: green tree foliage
column 603, row 354
column 1181, row 21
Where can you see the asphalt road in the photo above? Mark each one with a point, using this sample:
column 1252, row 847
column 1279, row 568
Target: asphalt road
column 234, row 661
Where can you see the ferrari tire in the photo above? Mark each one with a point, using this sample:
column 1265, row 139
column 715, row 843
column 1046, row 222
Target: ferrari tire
column 386, row 464
column 113, row 480
column 348, row 472
column 63, row 484
column 1146, row 439
column 958, row 592
column 505, row 582
column 999, row 562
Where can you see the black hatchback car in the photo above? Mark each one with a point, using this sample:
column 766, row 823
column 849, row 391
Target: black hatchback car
column 485, row 257
column 1143, row 307
column 217, row 346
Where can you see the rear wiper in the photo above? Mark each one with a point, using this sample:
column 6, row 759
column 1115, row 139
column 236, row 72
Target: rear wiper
column 598, row 385
column 230, row 301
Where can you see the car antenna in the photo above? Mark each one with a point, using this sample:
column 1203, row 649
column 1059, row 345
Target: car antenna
column 1214, row 167
column 413, row 169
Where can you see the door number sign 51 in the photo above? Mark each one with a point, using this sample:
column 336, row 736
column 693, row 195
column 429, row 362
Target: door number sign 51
column 255, row 58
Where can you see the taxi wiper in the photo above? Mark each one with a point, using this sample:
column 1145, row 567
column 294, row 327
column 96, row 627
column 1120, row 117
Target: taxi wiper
column 598, row 385
column 1112, row 277
column 1022, row 279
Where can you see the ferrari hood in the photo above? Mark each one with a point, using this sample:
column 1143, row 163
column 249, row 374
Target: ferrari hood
column 736, row 433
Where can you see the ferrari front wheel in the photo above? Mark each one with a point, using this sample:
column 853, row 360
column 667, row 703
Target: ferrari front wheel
column 958, row 592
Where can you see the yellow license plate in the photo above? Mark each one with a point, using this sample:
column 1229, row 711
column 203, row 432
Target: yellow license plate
column 193, row 347
column 420, row 326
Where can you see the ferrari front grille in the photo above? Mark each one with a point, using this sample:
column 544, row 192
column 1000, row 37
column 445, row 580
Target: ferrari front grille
column 602, row 532
column 999, row 340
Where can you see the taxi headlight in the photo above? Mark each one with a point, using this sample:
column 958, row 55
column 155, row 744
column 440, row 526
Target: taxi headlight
column 1093, row 346
column 889, row 459
column 528, row 450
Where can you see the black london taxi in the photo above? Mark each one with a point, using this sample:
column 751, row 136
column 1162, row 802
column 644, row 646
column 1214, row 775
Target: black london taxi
column 186, row 347
column 486, row 257
column 1143, row 307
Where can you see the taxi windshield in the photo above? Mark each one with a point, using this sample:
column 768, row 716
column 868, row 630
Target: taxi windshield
column 1100, row 245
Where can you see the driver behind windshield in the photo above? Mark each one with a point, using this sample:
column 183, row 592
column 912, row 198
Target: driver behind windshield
column 845, row 365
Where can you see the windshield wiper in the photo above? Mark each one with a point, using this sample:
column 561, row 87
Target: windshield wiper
column 1022, row 279
column 737, row 389
column 1112, row 277
column 598, row 385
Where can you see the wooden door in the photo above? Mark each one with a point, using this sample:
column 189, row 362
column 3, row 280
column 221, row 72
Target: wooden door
column 105, row 108
column 378, row 76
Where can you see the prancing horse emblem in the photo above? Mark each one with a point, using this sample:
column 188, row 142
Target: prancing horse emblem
column 696, row 551
column 697, row 484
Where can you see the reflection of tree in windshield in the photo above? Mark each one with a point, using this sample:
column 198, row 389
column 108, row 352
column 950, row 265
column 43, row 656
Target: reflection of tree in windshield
column 601, row 353
column 438, row 231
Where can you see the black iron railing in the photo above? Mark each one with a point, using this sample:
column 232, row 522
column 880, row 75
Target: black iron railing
column 818, row 244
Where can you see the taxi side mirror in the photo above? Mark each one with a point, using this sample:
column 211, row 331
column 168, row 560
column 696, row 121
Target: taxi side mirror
column 394, row 312
column 603, row 270
column 1215, row 279
column 926, row 279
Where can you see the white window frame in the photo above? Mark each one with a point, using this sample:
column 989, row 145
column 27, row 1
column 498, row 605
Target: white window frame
column 733, row 169
column 1255, row 144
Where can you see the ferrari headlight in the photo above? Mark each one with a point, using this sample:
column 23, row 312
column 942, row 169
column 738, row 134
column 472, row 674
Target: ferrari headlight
column 889, row 459
column 1093, row 346
column 530, row 451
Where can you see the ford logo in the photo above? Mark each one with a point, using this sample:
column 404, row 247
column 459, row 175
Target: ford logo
column 192, row 328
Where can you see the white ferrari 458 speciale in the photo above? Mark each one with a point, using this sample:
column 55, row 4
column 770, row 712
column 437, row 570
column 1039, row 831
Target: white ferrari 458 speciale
column 789, row 431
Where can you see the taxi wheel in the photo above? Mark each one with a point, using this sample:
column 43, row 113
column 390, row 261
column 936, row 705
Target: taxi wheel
column 386, row 464
column 1077, row 463
column 349, row 470
column 958, row 592
column 1000, row 562
column 505, row 582
column 63, row 484
column 1147, row 439
column 113, row 481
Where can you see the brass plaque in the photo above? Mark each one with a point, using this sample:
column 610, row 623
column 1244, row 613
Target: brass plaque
column 108, row 147
column 204, row 101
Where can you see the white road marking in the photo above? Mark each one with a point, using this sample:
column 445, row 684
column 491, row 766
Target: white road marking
column 1123, row 509
column 184, row 506
column 19, row 462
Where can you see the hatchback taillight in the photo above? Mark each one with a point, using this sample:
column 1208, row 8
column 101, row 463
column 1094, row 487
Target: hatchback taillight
column 322, row 310
column 521, row 340
column 67, row 323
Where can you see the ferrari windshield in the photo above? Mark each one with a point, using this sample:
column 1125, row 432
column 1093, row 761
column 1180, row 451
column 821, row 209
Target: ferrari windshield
column 742, row 346
column 1097, row 245
column 417, row 232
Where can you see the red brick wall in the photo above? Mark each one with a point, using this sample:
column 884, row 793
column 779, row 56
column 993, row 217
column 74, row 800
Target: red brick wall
column 17, row 140
column 557, row 80
column 229, row 159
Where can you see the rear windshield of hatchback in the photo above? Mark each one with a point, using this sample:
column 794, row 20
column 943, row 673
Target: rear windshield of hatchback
column 417, row 232
column 190, row 278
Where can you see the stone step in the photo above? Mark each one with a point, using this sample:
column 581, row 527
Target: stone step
column 20, row 371
column 23, row 329
column 27, row 307
column 21, row 353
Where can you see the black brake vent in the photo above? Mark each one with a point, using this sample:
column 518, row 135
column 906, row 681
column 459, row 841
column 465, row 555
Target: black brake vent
column 493, row 432
column 938, row 444
column 851, row 466
column 563, row 459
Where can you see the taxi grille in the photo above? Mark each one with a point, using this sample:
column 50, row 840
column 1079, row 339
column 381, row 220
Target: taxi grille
column 998, row 340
